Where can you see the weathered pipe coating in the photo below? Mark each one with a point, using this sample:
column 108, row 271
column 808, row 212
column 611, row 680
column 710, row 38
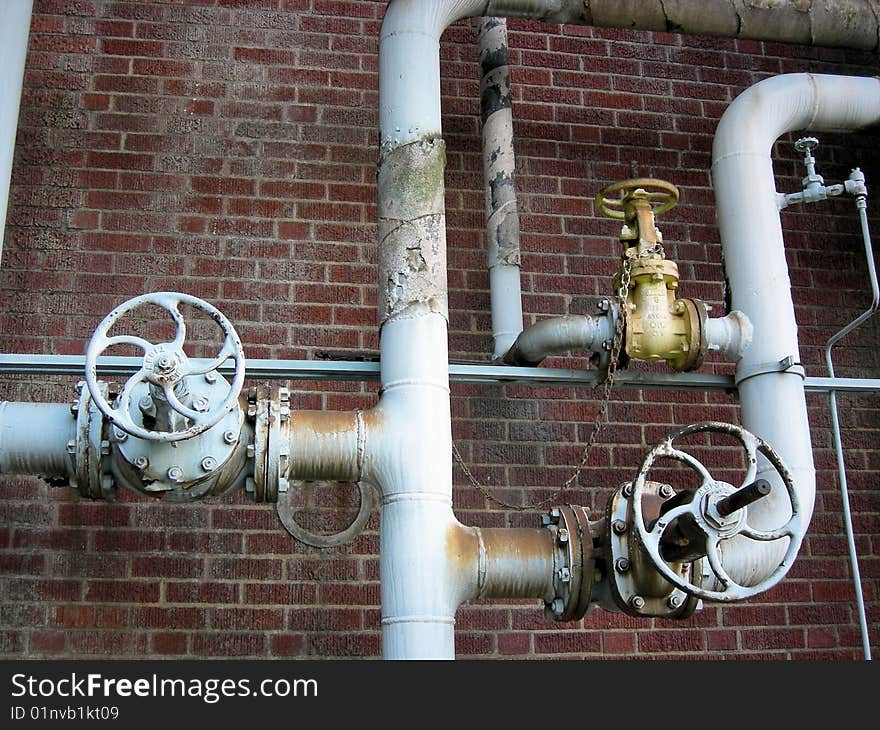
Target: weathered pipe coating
column 412, row 231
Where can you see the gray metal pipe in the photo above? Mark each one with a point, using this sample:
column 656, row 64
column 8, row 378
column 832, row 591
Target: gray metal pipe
column 34, row 439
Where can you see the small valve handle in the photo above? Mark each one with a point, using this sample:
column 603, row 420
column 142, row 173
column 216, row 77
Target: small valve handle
column 806, row 144
column 664, row 194
column 743, row 497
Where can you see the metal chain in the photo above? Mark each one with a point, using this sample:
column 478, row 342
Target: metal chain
column 608, row 384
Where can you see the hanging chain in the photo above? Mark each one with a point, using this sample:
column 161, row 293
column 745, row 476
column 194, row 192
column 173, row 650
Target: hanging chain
column 601, row 418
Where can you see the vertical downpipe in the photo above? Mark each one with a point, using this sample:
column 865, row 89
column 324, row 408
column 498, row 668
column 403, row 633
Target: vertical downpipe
column 15, row 21
column 499, row 163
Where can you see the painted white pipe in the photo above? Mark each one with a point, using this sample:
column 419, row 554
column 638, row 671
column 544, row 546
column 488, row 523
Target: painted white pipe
column 34, row 438
column 15, row 22
column 730, row 335
column 770, row 382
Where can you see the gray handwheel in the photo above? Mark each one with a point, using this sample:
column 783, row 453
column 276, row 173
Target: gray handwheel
column 164, row 366
column 703, row 509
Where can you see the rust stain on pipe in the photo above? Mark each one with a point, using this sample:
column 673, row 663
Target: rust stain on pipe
column 326, row 445
column 518, row 563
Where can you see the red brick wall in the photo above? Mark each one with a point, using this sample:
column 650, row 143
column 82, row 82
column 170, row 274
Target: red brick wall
column 227, row 149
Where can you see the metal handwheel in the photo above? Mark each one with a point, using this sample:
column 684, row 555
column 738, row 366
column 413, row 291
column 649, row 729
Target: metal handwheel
column 717, row 511
column 164, row 366
column 665, row 194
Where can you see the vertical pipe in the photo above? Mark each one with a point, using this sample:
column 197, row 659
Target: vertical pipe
column 499, row 168
column 15, row 21
column 861, row 203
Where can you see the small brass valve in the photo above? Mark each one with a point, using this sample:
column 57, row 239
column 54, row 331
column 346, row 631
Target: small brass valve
column 658, row 325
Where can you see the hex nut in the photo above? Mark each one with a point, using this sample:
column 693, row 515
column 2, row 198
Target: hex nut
column 666, row 491
column 174, row 473
column 622, row 565
column 628, row 490
column 619, row 526
column 141, row 462
column 209, row 463
column 562, row 536
column 229, row 437
column 674, row 601
column 637, row 602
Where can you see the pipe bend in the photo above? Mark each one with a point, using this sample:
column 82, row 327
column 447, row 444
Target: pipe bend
column 558, row 334
column 789, row 102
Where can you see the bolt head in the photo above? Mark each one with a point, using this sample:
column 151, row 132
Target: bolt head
column 562, row 536
column 628, row 490
column 558, row 606
column 622, row 565
column 141, row 462
column 229, row 437
column 283, row 485
column 105, row 448
column 211, row 377
column 674, row 601
column 71, row 447
column 619, row 526
column 666, row 491
column 119, row 435
column 200, row 405
column 637, row 602
column 604, row 305
column 209, row 463
column 174, row 473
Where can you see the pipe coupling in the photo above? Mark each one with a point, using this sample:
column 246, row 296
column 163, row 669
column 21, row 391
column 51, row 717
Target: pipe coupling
column 573, row 562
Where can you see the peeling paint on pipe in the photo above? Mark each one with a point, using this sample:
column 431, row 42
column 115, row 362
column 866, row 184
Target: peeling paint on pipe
column 499, row 168
column 412, row 231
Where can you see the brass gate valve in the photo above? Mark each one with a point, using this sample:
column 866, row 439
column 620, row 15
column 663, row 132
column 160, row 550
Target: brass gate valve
column 658, row 325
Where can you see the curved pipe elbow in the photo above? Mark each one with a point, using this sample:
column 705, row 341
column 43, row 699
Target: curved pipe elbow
column 559, row 334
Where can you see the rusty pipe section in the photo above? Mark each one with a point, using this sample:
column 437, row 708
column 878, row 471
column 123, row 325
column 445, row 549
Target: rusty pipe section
column 515, row 563
column 499, row 167
column 328, row 445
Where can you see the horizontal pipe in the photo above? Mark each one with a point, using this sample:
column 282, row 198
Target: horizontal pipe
column 516, row 563
column 559, row 334
column 360, row 371
column 34, row 439
column 327, row 445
